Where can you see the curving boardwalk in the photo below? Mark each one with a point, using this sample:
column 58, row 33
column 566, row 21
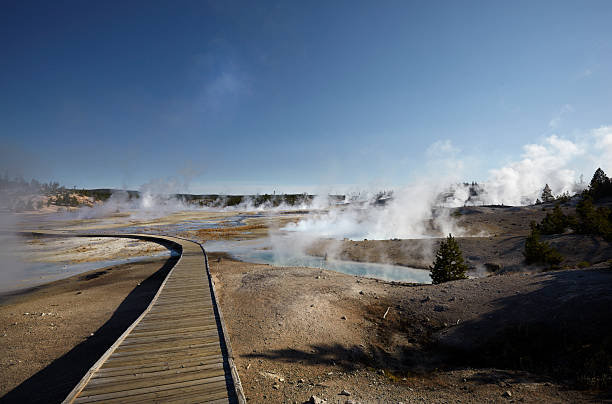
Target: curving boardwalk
column 176, row 351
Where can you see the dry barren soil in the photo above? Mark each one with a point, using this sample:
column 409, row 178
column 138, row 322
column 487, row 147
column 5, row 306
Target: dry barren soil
column 299, row 332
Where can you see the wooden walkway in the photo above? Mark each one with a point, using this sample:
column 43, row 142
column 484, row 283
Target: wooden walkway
column 176, row 351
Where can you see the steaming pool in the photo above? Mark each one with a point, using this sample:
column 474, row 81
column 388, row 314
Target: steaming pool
column 258, row 252
column 32, row 274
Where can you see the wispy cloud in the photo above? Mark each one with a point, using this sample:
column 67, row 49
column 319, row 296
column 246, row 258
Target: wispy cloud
column 585, row 73
column 556, row 121
column 442, row 147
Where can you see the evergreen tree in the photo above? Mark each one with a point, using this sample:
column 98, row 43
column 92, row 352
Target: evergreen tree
column 540, row 252
column 600, row 185
column 593, row 221
column 599, row 178
column 556, row 222
column 547, row 195
column 448, row 264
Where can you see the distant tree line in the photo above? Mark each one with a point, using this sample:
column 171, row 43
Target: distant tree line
column 19, row 195
column 19, row 184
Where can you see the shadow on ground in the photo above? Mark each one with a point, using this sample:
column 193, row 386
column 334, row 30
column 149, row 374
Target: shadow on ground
column 53, row 383
column 562, row 329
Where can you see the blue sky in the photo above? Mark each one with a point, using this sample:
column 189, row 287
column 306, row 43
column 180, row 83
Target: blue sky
column 256, row 96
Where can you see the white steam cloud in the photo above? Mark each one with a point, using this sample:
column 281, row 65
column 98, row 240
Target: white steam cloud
column 420, row 211
column 521, row 182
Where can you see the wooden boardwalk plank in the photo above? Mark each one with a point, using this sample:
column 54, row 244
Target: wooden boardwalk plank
column 176, row 351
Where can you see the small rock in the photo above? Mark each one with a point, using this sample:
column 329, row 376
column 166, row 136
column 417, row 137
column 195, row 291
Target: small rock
column 316, row 400
column 439, row 308
column 361, row 292
column 380, row 372
column 301, row 381
column 427, row 298
column 276, row 387
column 344, row 393
column 317, row 277
column 280, row 379
column 507, row 393
column 343, row 318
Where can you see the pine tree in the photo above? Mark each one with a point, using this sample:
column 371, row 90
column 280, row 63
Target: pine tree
column 540, row 252
column 547, row 195
column 599, row 178
column 556, row 222
column 600, row 185
column 448, row 264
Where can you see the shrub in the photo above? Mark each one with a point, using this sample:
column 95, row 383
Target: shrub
column 448, row 264
column 564, row 197
column 540, row 252
column 591, row 220
column 556, row 222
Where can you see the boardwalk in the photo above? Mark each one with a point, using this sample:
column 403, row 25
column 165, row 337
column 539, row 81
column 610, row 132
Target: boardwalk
column 176, row 351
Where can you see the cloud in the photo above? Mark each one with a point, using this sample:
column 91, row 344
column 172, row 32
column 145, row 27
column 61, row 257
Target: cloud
column 603, row 145
column 521, row 181
column 557, row 119
column 585, row 73
column 442, row 147
column 445, row 159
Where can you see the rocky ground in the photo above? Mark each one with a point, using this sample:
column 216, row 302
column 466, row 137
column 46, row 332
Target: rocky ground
column 301, row 332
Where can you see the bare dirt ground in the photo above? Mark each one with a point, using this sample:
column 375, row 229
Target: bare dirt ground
column 51, row 335
column 298, row 332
